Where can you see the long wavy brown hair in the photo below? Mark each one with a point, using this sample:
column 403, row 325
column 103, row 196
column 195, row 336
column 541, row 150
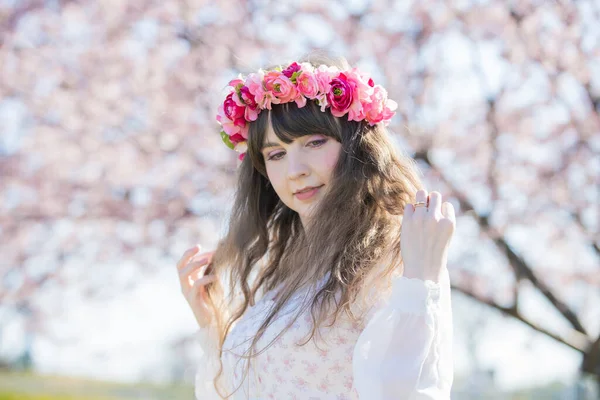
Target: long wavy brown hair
column 352, row 243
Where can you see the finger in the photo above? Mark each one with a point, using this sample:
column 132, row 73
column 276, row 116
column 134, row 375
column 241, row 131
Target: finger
column 421, row 196
column 435, row 204
column 206, row 255
column 448, row 211
column 196, row 267
column 200, row 283
column 187, row 255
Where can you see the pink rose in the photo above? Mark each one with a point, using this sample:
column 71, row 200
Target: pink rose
column 280, row 85
column 308, row 85
column 236, row 83
column 323, row 77
column 254, row 82
column 262, row 95
column 380, row 108
column 307, row 67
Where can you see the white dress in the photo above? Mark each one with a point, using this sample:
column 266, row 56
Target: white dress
column 402, row 351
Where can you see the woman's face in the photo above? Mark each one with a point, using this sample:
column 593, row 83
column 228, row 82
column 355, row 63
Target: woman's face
column 307, row 162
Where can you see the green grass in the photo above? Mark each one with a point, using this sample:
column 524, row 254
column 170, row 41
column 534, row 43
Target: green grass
column 28, row 386
column 24, row 396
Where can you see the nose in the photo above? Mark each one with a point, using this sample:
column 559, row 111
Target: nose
column 296, row 166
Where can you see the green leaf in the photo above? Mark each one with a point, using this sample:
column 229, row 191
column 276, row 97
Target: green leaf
column 225, row 138
column 295, row 76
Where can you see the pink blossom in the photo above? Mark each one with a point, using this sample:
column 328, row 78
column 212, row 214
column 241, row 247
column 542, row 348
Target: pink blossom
column 300, row 100
column 380, row 108
column 281, row 86
column 323, row 77
column 236, row 83
column 307, row 67
column 308, row 85
column 254, row 82
column 262, row 95
column 356, row 112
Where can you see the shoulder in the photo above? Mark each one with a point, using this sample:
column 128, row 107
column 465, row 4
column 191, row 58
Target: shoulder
column 376, row 288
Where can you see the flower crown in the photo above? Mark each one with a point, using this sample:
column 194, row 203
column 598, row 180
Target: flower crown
column 344, row 92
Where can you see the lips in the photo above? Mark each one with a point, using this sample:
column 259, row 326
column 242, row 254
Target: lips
column 307, row 194
column 308, row 189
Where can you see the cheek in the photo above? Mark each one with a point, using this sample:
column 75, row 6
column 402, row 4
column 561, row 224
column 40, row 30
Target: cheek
column 275, row 177
column 331, row 158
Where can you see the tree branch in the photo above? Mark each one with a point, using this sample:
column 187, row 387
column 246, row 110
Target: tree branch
column 575, row 340
column 519, row 266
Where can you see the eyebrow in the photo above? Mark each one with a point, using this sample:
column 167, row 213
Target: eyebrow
column 270, row 144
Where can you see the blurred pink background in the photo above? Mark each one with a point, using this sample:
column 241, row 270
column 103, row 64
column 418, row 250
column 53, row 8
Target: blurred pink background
column 111, row 166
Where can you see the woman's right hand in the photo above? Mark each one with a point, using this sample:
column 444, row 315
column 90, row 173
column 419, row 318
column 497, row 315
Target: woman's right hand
column 193, row 279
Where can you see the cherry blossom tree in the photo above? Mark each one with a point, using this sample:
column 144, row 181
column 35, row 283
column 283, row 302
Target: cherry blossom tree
column 109, row 149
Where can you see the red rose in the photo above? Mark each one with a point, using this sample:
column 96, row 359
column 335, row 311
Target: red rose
column 289, row 71
column 247, row 98
column 233, row 111
column 340, row 95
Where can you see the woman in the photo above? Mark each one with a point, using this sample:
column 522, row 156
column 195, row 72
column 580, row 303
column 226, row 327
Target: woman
column 330, row 283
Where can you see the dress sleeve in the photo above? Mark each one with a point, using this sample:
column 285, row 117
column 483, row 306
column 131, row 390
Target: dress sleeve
column 208, row 365
column 405, row 350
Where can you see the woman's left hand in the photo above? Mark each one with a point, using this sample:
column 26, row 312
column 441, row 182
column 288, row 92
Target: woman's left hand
column 426, row 234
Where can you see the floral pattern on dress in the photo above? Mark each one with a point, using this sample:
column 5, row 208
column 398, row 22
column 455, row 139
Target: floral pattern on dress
column 324, row 368
column 320, row 369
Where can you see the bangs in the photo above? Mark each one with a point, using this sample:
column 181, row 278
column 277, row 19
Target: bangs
column 290, row 122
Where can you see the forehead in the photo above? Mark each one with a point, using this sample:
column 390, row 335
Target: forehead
column 270, row 133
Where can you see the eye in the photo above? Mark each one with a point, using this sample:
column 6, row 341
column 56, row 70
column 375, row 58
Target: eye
column 275, row 157
column 317, row 143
